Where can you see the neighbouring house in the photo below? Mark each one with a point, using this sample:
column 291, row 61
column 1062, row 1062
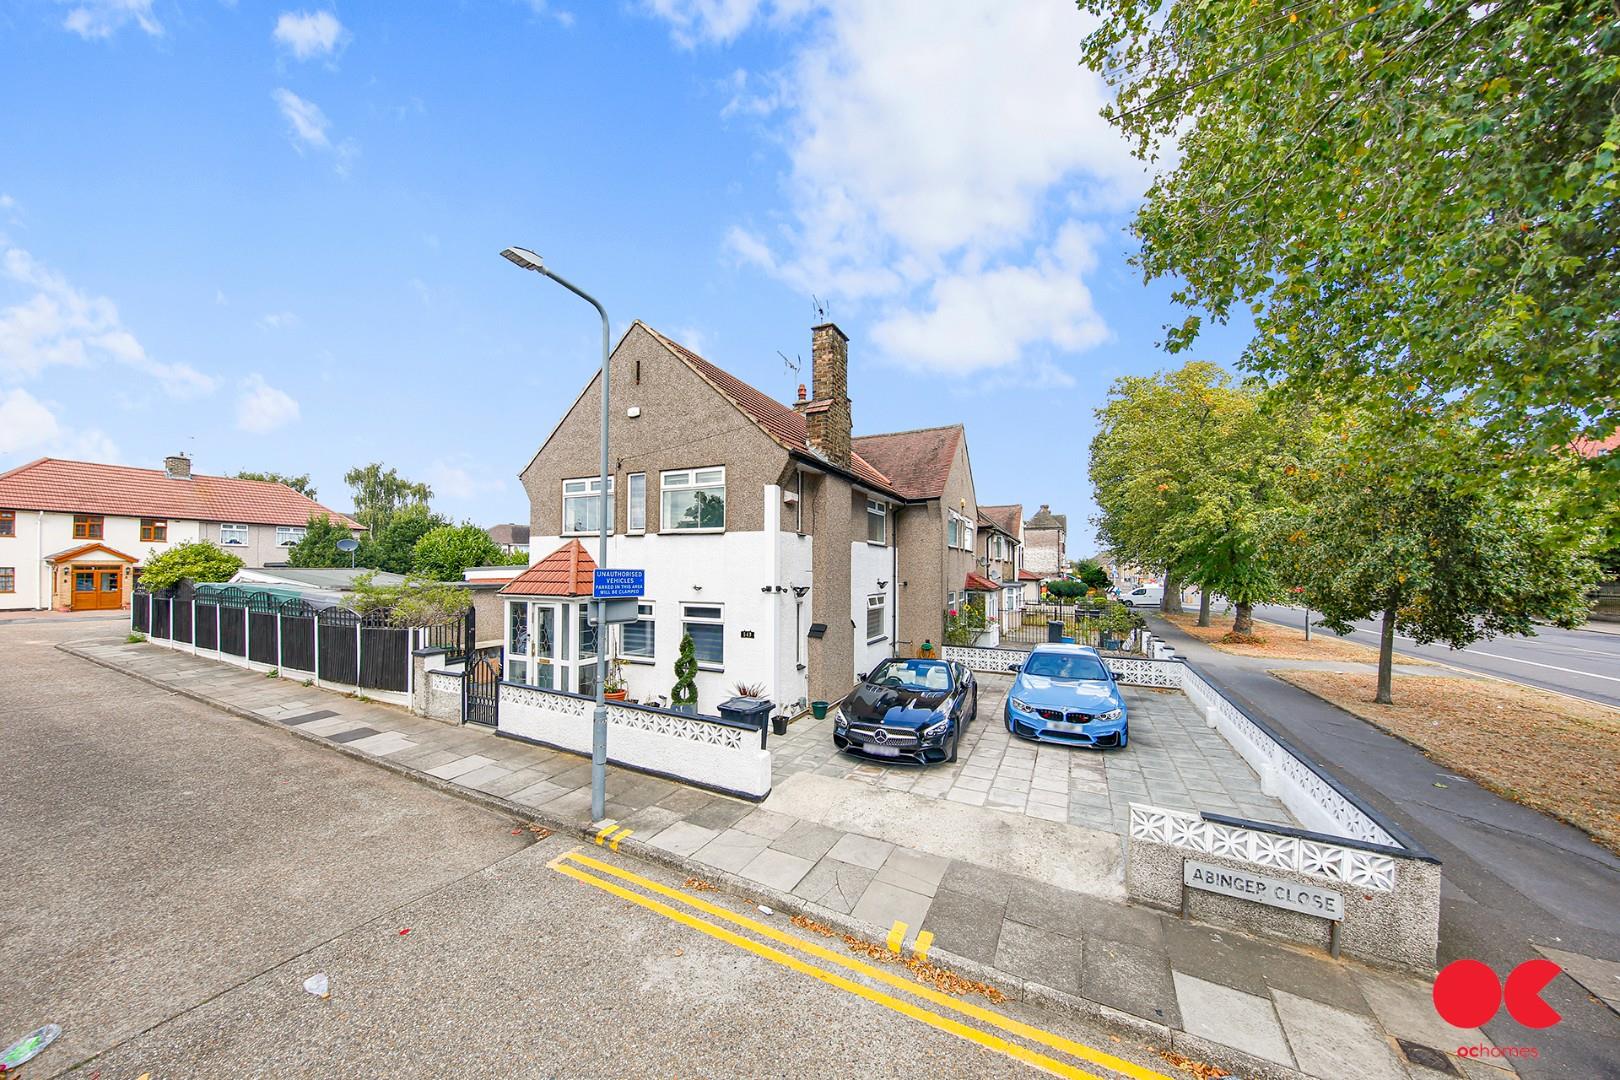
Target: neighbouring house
column 74, row 534
column 1031, row 584
column 1045, row 537
column 486, row 583
column 1001, row 555
column 768, row 533
column 510, row 538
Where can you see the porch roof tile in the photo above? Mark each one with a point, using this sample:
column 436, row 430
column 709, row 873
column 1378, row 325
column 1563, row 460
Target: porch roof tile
column 568, row 571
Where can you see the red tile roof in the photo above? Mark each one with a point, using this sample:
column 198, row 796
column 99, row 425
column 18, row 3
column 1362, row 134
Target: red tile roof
column 917, row 462
column 1591, row 448
column 980, row 583
column 1006, row 518
column 568, row 571
column 1025, row 575
column 778, row 421
column 84, row 487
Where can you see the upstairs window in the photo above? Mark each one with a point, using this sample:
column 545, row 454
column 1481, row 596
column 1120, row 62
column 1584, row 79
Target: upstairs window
column 582, row 506
column 951, row 532
column 233, row 535
column 8, row 523
column 636, row 513
column 289, row 535
column 154, row 530
column 88, row 526
column 877, row 523
column 693, row 499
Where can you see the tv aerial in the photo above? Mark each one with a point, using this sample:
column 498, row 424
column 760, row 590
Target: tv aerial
column 792, row 365
column 821, row 308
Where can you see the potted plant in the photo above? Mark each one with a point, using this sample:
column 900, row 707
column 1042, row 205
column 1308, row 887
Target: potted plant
column 614, row 687
column 683, row 698
column 749, row 690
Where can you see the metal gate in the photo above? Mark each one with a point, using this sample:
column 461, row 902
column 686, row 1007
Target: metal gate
column 482, row 686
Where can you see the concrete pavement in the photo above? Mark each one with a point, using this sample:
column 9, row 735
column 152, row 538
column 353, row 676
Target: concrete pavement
column 1198, row 990
column 1516, row 881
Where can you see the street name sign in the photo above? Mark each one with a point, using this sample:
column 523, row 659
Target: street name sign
column 1263, row 889
column 618, row 584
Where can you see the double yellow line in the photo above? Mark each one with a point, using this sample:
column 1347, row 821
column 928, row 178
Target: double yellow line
column 575, row 864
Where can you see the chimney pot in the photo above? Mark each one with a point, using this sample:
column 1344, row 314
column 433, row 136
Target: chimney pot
column 801, row 392
column 177, row 467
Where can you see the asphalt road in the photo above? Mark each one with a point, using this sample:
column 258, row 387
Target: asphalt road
column 174, row 874
column 1584, row 663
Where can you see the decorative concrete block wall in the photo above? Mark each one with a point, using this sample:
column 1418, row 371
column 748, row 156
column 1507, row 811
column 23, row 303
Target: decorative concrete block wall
column 702, row 750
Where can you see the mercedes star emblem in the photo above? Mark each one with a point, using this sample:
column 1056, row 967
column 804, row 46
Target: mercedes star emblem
column 880, row 735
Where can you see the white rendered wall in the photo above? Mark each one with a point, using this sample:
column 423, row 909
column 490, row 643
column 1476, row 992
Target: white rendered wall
column 868, row 565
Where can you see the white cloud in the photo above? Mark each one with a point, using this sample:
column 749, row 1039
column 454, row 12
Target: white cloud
column 308, row 34
column 27, row 425
column 60, row 325
column 278, row 320
column 460, row 482
column 308, row 128
column 98, row 19
column 926, row 140
column 262, row 408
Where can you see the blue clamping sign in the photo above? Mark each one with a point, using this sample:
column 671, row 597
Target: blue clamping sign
column 618, row 584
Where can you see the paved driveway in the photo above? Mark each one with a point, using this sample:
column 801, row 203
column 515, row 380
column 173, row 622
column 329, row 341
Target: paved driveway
column 1174, row 760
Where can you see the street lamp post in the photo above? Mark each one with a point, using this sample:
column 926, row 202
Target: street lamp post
column 528, row 260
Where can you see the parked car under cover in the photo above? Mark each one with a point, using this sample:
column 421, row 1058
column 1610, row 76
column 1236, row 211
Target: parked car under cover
column 1066, row 694
column 910, row 709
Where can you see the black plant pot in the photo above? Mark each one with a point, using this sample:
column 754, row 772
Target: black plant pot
column 779, row 725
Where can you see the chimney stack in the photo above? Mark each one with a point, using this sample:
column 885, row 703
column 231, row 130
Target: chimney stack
column 177, row 467
column 827, row 416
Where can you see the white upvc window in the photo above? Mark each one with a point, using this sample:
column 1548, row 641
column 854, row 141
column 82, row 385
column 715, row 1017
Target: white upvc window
column 877, row 617
column 693, row 500
column 636, row 512
column 582, row 503
column 877, row 522
column 288, row 535
column 638, row 640
column 233, row 535
column 707, row 625
column 951, row 532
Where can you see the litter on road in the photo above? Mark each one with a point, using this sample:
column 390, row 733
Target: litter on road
column 26, row 1048
column 319, row 985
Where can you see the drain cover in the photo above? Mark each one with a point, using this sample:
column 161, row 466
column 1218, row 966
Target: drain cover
column 1428, row 1057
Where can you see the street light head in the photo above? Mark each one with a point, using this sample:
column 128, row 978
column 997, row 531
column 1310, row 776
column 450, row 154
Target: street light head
column 525, row 258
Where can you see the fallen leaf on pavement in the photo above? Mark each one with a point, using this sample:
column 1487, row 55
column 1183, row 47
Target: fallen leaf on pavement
column 1201, row 1069
column 805, row 922
column 700, row 885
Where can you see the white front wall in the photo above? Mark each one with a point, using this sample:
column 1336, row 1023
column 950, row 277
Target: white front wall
column 730, row 569
column 868, row 565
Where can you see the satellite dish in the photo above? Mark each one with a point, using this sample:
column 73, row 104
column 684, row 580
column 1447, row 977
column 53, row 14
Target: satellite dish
column 348, row 544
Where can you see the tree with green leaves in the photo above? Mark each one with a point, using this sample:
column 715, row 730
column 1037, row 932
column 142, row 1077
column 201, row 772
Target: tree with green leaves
column 685, row 692
column 1428, row 536
column 416, row 601
column 443, row 553
column 1090, row 574
column 392, row 546
column 1416, row 202
column 319, row 545
column 197, row 561
column 381, row 493
column 300, row 483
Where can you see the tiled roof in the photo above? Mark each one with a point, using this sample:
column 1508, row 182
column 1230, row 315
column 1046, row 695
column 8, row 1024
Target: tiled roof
column 778, row 421
column 84, row 487
column 980, row 583
column 1591, row 448
column 1006, row 518
column 1045, row 519
column 568, row 571
column 1026, row 575
column 917, row 462
column 509, row 534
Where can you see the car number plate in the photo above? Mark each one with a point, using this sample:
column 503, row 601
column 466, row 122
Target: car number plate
column 882, row 751
column 1065, row 726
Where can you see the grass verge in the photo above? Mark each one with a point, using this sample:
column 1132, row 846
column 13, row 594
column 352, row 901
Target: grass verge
column 1279, row 642
column 1543, row 750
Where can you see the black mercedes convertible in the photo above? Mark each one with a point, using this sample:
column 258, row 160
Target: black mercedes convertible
column 911, row 709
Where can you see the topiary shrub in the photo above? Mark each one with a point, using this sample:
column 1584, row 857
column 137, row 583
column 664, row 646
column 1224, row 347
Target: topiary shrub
column 685, row 692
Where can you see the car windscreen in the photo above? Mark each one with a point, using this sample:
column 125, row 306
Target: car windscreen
column 1055, row 665
column 913, row 674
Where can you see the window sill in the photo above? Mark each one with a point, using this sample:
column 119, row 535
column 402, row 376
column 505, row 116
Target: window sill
column 711, row 667
column 592, row 532
column 877, row 543
column 690, row 532
column 876, row 640
column 644, row 661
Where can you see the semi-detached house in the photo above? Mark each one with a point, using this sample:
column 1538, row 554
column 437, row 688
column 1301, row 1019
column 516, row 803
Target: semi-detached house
column 74, row 534
column 796, row 555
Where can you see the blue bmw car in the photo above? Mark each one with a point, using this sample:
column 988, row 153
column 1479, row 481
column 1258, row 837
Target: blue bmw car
column 1066, row 694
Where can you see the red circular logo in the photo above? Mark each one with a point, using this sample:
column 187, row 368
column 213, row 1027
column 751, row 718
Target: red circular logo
column 1467, row 993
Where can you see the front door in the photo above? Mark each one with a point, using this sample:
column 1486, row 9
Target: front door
column 109, row 588
column 85, row 597
column 98, row 589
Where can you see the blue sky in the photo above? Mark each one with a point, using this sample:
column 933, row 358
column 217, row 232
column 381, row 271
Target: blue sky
column 267, row 235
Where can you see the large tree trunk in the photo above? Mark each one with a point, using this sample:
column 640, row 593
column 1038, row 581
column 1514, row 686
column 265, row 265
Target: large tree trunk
column 1386, row 658
column 1171, row 604
column 1203, row 605
column 1243, row 620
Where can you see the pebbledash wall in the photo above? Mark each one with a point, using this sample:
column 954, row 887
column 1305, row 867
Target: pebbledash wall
column 706, row 751
column 1390, row 884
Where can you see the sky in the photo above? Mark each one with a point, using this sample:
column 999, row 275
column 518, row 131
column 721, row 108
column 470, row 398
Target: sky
column 267, row 236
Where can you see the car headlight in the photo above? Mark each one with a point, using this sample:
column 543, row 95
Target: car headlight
column 840, row 721
column 936, row 728
column 1112, row 714
column 1022, row 706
